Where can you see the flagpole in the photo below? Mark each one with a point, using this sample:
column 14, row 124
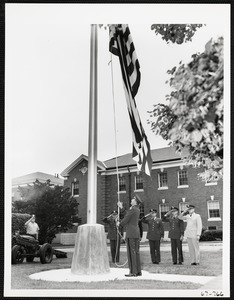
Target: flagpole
column 90, row 255
column 92, row 146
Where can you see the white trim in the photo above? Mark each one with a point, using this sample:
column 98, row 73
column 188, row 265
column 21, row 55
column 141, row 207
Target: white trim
column 76, row 196
column 210, row 183
column 163, row 188
column 141, row 190
column 121, row 192
column 215, row 219
column 182, row 186
column 157, row 166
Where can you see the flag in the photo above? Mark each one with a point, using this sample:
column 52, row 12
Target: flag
column 121, row 44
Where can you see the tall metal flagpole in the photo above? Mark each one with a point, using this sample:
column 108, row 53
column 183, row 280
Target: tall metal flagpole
column 92, row 163
column 90, row 254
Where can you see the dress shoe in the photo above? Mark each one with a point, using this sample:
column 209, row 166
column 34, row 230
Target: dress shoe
column 130, row 275
column 174, row 263
column 155, row 262
column 193, row 264
column 180, row 263
column 139, row 274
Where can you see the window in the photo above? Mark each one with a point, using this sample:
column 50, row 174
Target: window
column 122, row 184
column 182, row 178
column 142, row 211
column 163, row 209
column 75, row 189
column 182, row 206
column 162, row 180
column 213, row 209
column 212, row 227
column 139, row 182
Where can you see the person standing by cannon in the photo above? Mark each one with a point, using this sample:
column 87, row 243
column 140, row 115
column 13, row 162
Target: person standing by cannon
column 32, row 227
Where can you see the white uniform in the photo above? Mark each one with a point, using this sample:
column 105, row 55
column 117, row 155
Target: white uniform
column 193, row 229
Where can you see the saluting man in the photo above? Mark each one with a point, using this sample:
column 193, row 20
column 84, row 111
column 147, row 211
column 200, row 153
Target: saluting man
column 154, row 235
column 113, row 235
column 176, row 233
column 192, row 232
column 130, row 221
column 32, row 227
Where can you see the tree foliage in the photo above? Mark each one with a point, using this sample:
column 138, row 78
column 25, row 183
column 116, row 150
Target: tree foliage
column 53, row 206
column 194, row 117
column 176, row 33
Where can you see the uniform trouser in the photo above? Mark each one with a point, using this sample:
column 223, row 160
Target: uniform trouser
column 176, row 245
column 133, row 253
column 194, row 251
column 155, row 250
column 115, row 247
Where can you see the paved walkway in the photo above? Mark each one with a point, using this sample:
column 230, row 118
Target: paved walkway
column 65, row 275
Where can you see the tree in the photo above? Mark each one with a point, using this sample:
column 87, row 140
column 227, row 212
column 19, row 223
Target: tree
column 53, row 206
column 193, row 120
column 176, row 33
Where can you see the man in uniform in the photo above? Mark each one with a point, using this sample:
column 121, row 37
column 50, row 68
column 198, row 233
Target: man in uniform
column 113, row 235
column 130, row 221
column 192, row 232
column 154, row 235
column 176, row 234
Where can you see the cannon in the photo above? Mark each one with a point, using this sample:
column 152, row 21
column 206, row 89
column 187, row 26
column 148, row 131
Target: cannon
column 26, row 246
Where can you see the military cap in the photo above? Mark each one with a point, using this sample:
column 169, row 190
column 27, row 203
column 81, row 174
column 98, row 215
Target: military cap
column 173, row 208
column 138, row 199
column 189, row 206
column 153, row 210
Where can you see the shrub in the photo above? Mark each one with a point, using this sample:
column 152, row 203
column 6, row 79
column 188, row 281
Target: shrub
column 18, row 221
column 211, row 235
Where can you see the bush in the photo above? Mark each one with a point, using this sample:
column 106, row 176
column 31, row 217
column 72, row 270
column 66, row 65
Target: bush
column 211, row 235
column 18, row 221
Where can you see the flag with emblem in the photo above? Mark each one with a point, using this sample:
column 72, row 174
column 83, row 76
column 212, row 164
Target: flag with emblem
column 121, row 44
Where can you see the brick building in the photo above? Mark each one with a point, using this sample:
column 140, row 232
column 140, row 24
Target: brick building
column 171, row 184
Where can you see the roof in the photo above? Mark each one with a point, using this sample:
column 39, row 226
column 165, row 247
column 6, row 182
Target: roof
column 42, row 177
column 76, row 163
column 158, row 155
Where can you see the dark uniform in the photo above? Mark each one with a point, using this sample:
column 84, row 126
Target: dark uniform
column 176, row 231
column 114, row 237
column 131, row 220
column 154, row 235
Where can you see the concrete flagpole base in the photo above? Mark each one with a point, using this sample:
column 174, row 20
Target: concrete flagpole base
column 90, row 255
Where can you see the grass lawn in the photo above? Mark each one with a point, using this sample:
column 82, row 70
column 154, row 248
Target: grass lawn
column 211, row 265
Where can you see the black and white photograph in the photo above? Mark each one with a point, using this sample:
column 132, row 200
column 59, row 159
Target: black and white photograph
column 117, row 150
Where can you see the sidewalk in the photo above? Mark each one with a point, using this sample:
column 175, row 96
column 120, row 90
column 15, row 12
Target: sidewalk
column 215, row 284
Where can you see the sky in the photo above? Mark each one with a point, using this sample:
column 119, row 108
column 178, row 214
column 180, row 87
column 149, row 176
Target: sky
column 47, row 69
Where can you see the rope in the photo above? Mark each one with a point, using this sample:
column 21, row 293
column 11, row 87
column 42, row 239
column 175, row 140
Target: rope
column 116, row 162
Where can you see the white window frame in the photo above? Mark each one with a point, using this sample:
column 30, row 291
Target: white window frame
column 139, row 190
column 162, row 187
column 208, row 211
column 160, row 209
column 178, row 180
column 73, row 184
column 123, row 191
column 208, row 183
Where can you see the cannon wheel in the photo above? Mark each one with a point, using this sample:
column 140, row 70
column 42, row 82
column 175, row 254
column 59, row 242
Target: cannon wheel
column 17, row 254
column 46, row 253
column 30, row 258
